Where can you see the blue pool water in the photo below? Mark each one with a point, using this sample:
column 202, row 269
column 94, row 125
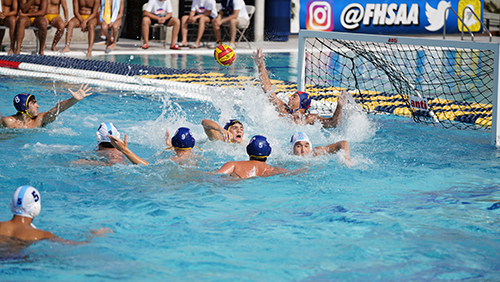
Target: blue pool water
column 282, row 66
column 413, row 207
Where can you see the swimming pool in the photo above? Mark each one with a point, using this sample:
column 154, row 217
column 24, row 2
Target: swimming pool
column 413, row 207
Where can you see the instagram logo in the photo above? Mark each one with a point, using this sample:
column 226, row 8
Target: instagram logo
column 319, row 15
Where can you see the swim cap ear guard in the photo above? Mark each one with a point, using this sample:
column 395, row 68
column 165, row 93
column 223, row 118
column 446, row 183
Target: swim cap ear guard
column 26, row 202
column 258, row 147
column 21, row 102
column 305, row 100
column 299, row 136
column 183, row 139
column 105, row 129
column 231, row 123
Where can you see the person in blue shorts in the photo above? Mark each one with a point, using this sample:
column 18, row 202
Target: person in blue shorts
column 258, row 149
column 232, row 131
column 298, row 103
column 182, row 142
column 233, row 13
column 26, row 205
column 27, row 110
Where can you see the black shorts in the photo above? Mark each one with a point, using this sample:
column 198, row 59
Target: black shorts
column 153, row 22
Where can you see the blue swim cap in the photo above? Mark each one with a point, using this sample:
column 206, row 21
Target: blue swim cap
column 231, row 123
column 258, row 147
column 21, row 102
column 183, row 139
column 305, row 100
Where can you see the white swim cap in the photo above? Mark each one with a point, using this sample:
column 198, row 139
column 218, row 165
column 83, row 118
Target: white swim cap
column 105, row 129
column 299, row 136
column 26, row 202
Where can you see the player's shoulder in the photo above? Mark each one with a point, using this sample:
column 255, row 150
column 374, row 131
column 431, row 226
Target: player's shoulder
column 7, row 121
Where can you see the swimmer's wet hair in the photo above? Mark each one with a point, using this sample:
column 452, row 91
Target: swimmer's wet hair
column 106, row 144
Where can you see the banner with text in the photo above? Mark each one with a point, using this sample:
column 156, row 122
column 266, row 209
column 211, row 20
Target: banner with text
column 390, row 17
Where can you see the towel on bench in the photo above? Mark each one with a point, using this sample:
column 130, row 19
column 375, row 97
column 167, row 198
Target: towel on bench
column 109, row 10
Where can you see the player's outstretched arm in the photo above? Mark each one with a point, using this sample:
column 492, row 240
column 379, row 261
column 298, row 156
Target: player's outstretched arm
column 334, row 148
column 334, row 121
column 51, row 115
column 275, row 171
column 93, row 233
column 122, row 147
column 266, row 84
column 168, row 142
column 258, row 58
column 215, row 132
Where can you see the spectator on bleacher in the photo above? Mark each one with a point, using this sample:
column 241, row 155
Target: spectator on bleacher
column 55, row 20
column 234, row 13
column 86, row 17
column 111, row 18
column 202, row 11
column 160, row 11
column 30, row 13
column 8, row 13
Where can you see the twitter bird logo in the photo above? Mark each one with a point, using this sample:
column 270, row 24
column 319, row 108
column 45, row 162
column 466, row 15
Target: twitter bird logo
column 436, row 17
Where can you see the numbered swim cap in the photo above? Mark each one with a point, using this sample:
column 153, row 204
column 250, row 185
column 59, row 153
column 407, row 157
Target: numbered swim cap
column 21, row 102
column 305, row 100
column 105, row 129
column 26, row 202
column 231, row 123
column 299, row 136
column 183, row 139
column 258, row 147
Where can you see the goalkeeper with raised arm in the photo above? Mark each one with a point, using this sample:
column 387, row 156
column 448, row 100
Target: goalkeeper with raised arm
column 298, row 103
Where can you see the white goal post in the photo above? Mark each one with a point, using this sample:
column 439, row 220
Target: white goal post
column 453, row 84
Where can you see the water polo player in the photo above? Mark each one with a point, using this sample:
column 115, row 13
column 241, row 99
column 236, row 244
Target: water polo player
column 182, row 142
column 232, row 131
column 299, row 102
column 27, row 115
column 26, row 204
column 258, row 149
column 300, row 145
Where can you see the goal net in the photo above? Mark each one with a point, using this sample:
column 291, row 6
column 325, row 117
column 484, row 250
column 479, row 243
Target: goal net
column 443, row 83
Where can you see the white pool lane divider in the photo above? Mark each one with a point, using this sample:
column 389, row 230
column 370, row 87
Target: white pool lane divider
column 115, row 81
column 11, row 66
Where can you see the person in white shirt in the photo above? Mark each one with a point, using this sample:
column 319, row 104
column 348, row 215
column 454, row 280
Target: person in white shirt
column 234, row 13
column 160, row 11
column 202, row 11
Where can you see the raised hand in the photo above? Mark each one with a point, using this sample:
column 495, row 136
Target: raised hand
column 226, row 135
column 168, row 142
column 342, row 100
column 258, row 57
column 117, row 143
column 82, row 92
column 101, row 231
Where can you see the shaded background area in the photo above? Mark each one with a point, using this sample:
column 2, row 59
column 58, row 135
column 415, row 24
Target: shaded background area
column 133, row 18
